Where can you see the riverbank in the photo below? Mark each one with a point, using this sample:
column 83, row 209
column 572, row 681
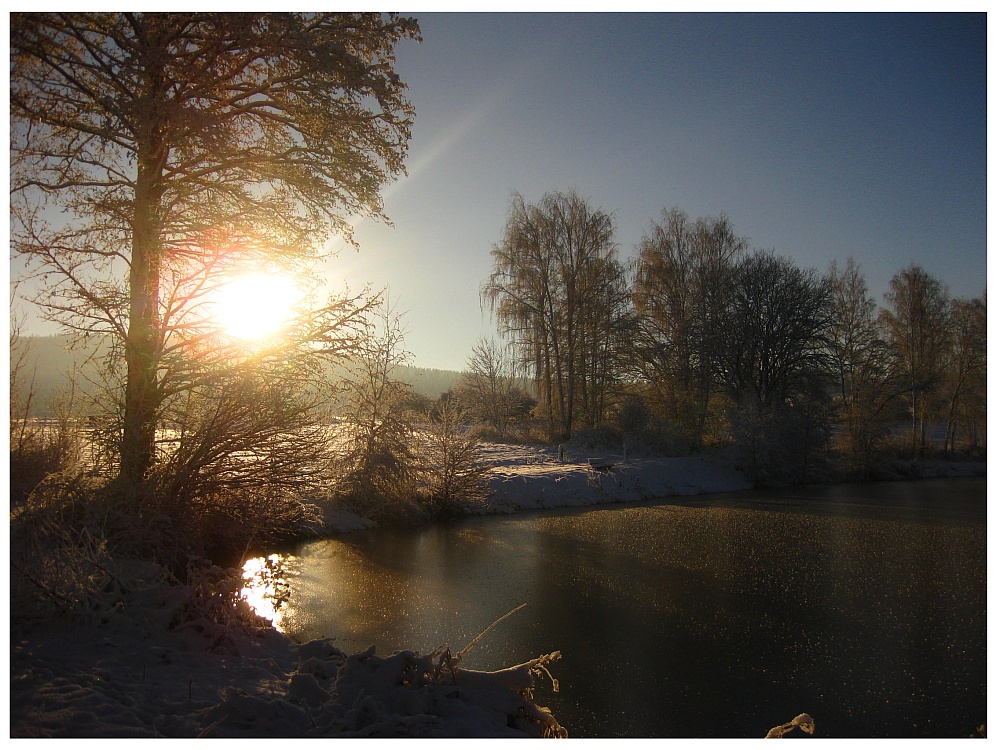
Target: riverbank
column 179, row 661
column 151, row 660
column 533, row 477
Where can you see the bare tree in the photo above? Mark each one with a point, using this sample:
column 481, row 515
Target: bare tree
column 773, row 338
column 488, row 389
column 555, row 291
column 179, row 147
column 607, row 323
column 966, row 376
column 916, row 324
column 771, row 359
column 866, row 386
column 681, row 282
column 378, row 463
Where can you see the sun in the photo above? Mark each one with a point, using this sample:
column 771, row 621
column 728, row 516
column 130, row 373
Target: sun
column 255, row 306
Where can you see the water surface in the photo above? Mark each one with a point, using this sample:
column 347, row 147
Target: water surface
column 717, row 616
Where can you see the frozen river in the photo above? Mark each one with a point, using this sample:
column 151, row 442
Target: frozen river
column 863, row 605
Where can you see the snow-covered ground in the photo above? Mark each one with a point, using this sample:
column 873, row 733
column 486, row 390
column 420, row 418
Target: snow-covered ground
column 536, row 477
column 530, row 477
column 132, row 671
column 153, row 667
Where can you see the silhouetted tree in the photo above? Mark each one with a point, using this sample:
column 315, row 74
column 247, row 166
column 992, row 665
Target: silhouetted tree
column 682, row 277
column 865, row 383
column 916, row 324
column 771, row 358
column 180, row 146
column 966, row 375
column 557, row 289
column 773, row 337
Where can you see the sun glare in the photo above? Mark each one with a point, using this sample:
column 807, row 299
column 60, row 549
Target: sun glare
column 252, row 307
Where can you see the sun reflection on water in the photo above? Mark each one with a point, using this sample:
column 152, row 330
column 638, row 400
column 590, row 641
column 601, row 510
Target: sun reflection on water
column 266, row 587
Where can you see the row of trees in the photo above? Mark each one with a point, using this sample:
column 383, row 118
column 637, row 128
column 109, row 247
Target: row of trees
column 718, row 339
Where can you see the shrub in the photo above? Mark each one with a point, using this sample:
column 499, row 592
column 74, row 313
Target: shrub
column 36, row 451
column 602, row 437
column 454, row 477
column 211, row 604
column 226, row 524
column 658, row 440
column 780, row 443
column 42, row 447
column 66, row 543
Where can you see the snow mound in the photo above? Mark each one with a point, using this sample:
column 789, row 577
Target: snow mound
column 407, row 694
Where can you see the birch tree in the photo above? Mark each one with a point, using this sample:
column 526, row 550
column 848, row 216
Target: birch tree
column 916, row 324
column 681, row 281
column 966, row 379
column 555, row 290
column 489, row 390
column 865, row 382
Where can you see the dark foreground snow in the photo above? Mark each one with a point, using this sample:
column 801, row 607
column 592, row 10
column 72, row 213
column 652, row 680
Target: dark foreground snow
column 147, row 669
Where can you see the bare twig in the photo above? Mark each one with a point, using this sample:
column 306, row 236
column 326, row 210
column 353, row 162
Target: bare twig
column 464, row 651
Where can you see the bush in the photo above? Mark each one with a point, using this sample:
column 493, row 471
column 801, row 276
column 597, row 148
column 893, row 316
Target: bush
column 211, row 604
column 658, row 440
column 781, row 443
column 65, row 543
column 379, row 470
column 632, row 414
column 225, row 525
column 454, row 477
column 602, row 437
column 36, row 451
column 39, row 448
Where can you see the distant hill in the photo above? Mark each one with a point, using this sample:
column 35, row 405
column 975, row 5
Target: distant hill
column 429, row 382
column 50, row 362
column 48, row 368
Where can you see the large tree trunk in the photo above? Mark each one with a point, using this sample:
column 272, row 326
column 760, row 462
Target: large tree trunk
column 142, row 345
column 143, row 342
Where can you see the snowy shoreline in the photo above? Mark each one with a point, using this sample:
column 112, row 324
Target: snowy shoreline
column 527, row 478
column 136, row 669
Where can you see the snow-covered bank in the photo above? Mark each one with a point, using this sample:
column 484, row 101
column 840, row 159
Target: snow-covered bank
column 530, row 477
column 148, row 667
column 138, row 671
column 526, row 477
column 152, row 666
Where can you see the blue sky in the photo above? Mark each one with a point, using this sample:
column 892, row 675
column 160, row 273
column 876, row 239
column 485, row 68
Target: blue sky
column 820, row 136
